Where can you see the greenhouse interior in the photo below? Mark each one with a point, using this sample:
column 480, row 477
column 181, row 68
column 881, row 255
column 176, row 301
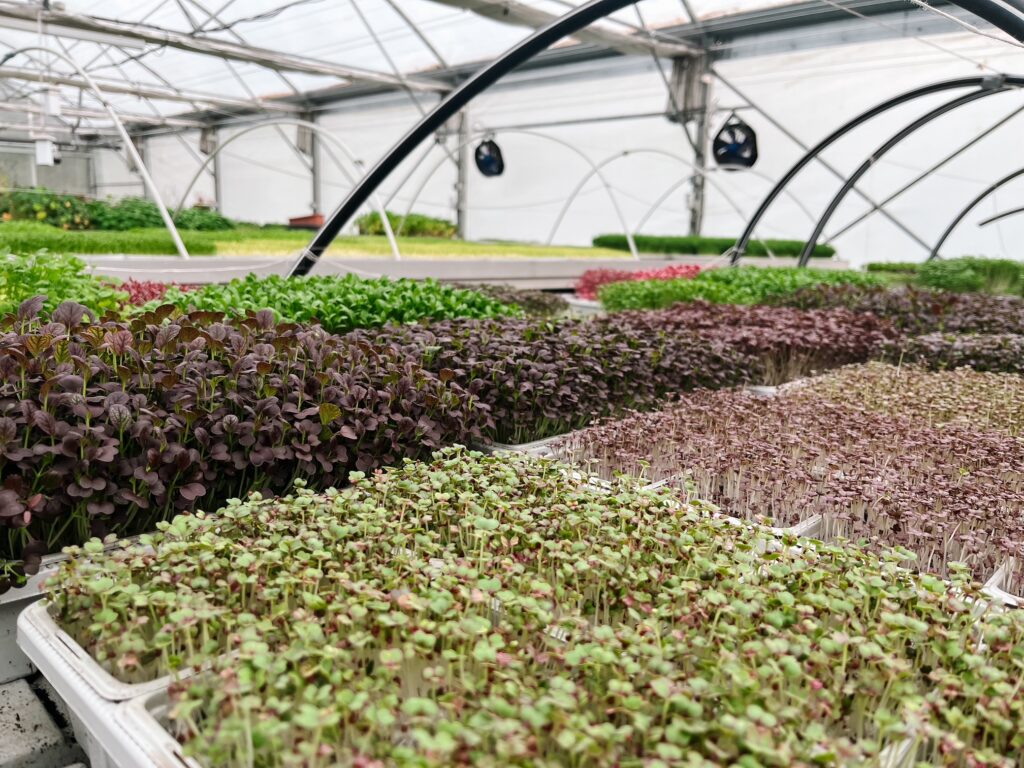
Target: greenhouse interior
column 539, row 383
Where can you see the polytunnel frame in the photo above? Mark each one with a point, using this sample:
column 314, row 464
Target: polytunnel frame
column 987, row 82
column 1007, row 84
column 564, row 26
column 130, row 147
column 595, row 170
column 695, row 171
column 321, row 133
column 970, row 207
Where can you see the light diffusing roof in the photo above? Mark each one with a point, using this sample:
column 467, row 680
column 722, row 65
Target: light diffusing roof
column 162, row 58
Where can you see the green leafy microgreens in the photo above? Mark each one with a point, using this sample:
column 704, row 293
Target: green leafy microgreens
column 503, row 611
column 339, row 304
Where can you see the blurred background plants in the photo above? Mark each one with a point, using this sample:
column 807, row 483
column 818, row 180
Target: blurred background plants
column 413, row 225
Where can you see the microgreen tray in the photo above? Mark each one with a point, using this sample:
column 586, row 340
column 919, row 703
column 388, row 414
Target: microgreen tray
column 146, row 719
column 540, row 448
column 14, row 665
column 42, row 640
column 94, row 717
column 584, row 307
column 33, row 587
column 995, row 586
column 764, row 390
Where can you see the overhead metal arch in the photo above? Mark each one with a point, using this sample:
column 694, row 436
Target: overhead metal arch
column 650, row 212
column 129, row 145
column 920, row 122
column 970, row 207
column 595, row 170
column 680, row 182
column 999, row 217
column 569, row 24
column 934, row 168
column 322, row 134
column 745, row 237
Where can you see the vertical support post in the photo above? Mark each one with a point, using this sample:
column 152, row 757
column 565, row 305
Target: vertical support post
column 308, row 143
column 208, row 142
column 462, row 182
column 138, row 143
column 90, row 171
column 33, row 170
column 316, row 172
column 218, row 179
column 691, row 86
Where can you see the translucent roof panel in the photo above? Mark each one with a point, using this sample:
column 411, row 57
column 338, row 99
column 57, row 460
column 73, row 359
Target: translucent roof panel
column 400, row 39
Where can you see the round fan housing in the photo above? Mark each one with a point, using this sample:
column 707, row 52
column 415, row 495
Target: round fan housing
column 489, row 160
column 735, row 145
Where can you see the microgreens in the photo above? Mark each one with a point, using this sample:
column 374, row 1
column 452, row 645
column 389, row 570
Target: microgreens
column 946, row 493
column 339, row 304
column 544, row 378
column 108, row 427
column 503, row 611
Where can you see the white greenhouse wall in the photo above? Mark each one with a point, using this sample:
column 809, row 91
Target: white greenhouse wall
column 112, row 178
column 173, row 162
column 810, row 92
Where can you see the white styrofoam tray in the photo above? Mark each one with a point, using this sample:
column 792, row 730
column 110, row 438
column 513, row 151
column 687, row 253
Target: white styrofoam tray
column 94, row 718
column 995, row 586
column 14, row 664
column 540, row 448
column 146, row 720
column 40, row 637
column 585, row 307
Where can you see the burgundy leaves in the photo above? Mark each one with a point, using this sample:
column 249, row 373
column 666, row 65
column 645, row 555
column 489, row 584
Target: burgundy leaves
column 110, row 427
column 999, row 353
column 542, row 378
column 919, row 311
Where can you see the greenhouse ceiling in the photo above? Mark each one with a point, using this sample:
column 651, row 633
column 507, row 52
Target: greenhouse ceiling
column 185, row 63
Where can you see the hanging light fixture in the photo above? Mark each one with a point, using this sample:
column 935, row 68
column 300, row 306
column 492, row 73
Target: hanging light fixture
column 735, row 145
column 489, row 160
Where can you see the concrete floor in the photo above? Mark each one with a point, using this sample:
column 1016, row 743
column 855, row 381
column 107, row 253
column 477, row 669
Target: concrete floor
column 35, row 730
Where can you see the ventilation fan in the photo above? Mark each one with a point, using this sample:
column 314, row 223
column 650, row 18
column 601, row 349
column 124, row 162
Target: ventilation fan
column 735, row 145
column 489, row 159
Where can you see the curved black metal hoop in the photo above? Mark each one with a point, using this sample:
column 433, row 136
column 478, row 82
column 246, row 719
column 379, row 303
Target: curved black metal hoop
column 566, row 25
column 970, row 207
column 997, row 15
column 875, row 156
column 947, row 85
column 571, row 22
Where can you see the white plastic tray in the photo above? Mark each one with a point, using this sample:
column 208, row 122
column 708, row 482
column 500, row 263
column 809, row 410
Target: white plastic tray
column 994, row 587
column 585, row 307
column 146, row 719
column 94, row 719
column 40, row 637
column 33, row 587
column 899, row 755
column 14, row 664
column 540, row 448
